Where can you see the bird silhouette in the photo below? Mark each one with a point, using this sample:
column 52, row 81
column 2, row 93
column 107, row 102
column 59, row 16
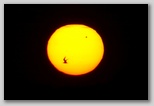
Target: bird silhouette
column 65, row 61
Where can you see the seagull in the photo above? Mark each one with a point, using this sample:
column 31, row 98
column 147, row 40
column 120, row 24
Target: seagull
column 65, row 61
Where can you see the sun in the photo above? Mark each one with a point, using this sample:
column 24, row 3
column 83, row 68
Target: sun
column 75, row 49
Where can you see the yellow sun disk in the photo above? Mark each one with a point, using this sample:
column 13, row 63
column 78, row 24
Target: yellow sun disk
column 80, row 44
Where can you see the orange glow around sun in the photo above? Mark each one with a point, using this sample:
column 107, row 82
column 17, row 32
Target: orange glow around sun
column 75, row 49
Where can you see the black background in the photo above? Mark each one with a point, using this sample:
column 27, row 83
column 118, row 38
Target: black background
column 121, row 75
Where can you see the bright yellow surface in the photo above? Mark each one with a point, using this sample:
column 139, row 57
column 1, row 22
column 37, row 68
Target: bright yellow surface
column 80, row 45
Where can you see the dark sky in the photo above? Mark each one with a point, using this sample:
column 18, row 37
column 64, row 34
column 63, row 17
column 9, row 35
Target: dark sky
column 121, row 75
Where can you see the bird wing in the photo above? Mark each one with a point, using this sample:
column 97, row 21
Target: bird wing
column 64, row 59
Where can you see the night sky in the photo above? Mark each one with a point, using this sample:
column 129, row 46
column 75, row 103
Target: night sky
column 121, row 75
